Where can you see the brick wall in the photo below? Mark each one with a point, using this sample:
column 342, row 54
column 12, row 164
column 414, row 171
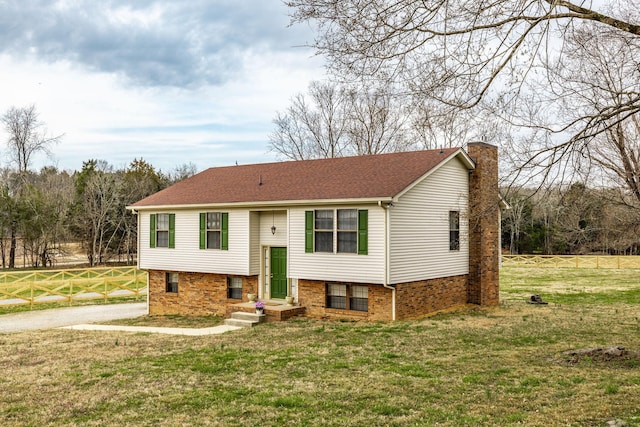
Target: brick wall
column 199, row 294
column 312, row 295
column 417, row 299
column 484, row 226
column 413, row 300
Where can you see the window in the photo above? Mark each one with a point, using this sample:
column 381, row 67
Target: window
column 172, row 283
column 214, row 230
column 337, row 296
column 162, row 229
column 347, row 230
column 324, row 231
column 454, row 230
column 359, row 299
column 341, row 231
column 234, row 287
column 347, row 297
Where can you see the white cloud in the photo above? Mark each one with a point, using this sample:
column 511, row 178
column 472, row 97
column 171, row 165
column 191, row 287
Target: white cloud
column 113, row 110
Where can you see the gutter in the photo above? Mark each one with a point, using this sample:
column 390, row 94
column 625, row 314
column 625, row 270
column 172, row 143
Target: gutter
column 261, row 204
column 387, row 239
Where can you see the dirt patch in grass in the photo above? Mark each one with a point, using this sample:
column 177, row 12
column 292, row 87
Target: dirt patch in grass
column 613, row 356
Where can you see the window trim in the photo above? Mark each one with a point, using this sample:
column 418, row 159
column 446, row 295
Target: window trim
column 224, row 231
column 454, row 230
column 153, row 231
column 230, row 280
column 172, row 287
column 361, row 231
column 317, row 231
column 347, row 298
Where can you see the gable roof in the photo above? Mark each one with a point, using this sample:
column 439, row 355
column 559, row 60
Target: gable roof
column 371, row 177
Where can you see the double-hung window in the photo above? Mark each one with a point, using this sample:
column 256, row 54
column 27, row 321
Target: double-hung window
column 172, row 283
column 323, row 230
column 337, row 231
column 214, row 230
column 347, row 297
column 337, row 296
column 454, row 230
column 162, row 228
column 234, row 287
column 348, row 230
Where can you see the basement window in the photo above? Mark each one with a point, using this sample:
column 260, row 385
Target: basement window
column 172, row 283
column 234, row 287
column 347, row 297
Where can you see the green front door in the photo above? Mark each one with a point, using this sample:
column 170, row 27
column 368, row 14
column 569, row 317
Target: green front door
column 278, row 272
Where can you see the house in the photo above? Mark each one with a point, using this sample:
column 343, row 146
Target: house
column 377, row 237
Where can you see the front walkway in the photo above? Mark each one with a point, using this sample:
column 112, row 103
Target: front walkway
column 221, row 329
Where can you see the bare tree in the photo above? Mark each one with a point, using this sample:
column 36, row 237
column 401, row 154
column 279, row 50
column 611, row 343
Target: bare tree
column 312, row 128
column 27, row 136
column 337, row 120
column 455, row 55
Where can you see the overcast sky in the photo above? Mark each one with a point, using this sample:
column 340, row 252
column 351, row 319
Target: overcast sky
column 170, row 81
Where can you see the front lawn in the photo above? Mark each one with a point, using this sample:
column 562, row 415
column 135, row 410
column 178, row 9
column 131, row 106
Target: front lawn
column 500, row 366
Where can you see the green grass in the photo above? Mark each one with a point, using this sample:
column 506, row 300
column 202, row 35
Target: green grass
column 500, row 366
column 571, row 286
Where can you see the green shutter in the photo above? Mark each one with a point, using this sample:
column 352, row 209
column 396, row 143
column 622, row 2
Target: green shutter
column 363, row 232
column 224, row 232
column 172, row 231
column 152, row 231
column 308, row 231
column 203, row 230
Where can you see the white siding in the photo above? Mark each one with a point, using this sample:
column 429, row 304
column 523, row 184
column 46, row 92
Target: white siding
column 187, row 255
column 254, row 244
column 339, row 267
column 420, row 227
column 279, row 219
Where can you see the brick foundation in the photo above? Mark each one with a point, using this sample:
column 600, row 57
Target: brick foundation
column 417, row 299
column 413, row 300
column 199, row 294
column 312, row 295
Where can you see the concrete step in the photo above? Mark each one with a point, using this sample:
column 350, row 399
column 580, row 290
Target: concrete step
column 240, row 322
column 242, row 315
column 244, row 320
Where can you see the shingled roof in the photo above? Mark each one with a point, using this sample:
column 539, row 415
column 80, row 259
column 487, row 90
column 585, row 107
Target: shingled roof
column 380, row 176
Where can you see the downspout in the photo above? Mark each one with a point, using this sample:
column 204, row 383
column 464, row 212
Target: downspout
column 387, row 240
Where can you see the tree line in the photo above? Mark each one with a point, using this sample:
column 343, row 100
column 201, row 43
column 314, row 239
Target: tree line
column 41, row 210
column 573, row 220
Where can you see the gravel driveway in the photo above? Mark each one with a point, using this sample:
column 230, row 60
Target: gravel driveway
column 58, row 317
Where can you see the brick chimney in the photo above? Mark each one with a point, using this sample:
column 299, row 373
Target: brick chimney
column 484, row 226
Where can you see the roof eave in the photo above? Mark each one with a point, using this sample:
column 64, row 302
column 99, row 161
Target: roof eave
column 268, row 203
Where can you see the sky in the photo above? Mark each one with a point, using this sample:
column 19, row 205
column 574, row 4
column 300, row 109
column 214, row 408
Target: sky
column 170, row 81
